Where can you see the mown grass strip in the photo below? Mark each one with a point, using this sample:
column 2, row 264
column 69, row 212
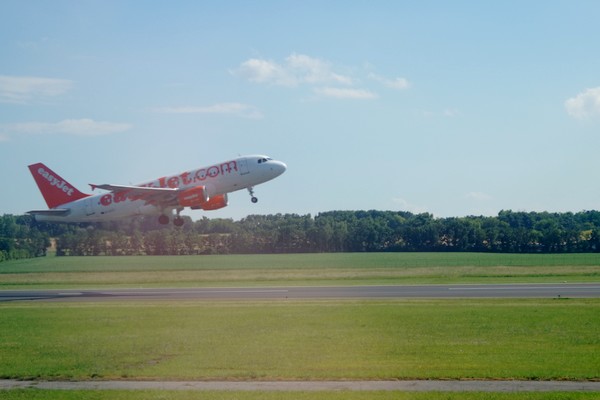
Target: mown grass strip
column 296, row 261
column 318, row 340
column 298, row 269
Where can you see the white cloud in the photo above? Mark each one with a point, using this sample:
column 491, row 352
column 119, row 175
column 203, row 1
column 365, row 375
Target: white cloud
column 321, row 75
column 446, row 113
column 23, row 89
column 450, row 112
column 314, row 71
column 297, row 69
column 396, row 83
column 345, row 93
column 4, row 138
column 263, row 71
column 78, row 127
column 478, row 196
column 236, row 109
column 585, row 104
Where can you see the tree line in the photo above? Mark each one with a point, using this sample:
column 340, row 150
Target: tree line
column 20, row 238
column 334, row 231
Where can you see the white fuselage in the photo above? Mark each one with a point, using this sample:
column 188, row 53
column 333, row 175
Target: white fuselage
column 218, row 179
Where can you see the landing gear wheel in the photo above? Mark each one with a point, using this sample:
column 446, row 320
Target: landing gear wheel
column 251, row 191
column 163, row 219
column 178, row 221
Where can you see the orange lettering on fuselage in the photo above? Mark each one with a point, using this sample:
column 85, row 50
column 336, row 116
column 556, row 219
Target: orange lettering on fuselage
column 184, row 179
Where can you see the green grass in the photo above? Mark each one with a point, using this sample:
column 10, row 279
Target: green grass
column 344, row 395
column 299, row 261
column 298, row 269
column 305, row 340
column 395, row 339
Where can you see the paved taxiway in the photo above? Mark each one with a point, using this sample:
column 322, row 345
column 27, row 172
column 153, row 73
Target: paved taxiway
column 590, row 290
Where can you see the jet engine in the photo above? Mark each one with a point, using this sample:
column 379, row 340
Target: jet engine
column 193, row 197
column 197, row 198
column 215, row 202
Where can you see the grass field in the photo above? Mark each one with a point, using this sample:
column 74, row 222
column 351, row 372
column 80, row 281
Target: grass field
column 298, row 269
column 318, row 340
column 299, row 340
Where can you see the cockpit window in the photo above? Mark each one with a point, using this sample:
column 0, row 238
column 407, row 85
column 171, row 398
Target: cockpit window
column 263, row 160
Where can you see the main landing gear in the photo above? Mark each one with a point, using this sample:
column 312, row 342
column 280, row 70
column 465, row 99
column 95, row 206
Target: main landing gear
column 177, row 221
column 253, row 198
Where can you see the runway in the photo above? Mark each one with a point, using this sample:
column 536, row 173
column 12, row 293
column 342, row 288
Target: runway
column 506, row 291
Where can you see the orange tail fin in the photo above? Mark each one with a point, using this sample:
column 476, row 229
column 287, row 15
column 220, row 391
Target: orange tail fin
column 56, row 190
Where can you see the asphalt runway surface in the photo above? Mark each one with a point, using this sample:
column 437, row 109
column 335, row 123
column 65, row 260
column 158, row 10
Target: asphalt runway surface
column 573, row 290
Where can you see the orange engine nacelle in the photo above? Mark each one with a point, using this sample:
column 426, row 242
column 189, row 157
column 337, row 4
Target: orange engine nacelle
column 194, row 197
column 197, row 199
column 215, row 202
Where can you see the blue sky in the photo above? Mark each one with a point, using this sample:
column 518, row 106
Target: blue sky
column 453, row 108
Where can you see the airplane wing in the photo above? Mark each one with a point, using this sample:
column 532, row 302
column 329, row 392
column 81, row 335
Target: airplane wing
column 56, row 212
column 134, row 189
column 149, row 194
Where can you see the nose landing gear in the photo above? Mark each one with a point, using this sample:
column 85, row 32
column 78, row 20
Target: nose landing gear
column 253, row 198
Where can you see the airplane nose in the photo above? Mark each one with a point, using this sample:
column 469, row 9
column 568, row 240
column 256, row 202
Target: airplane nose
column 279, row 167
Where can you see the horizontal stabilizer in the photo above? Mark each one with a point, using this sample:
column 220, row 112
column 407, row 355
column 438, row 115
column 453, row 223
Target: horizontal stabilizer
column 55, row 212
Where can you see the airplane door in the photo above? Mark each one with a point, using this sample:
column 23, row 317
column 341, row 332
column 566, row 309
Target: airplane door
column 89, row 207
column 244, row 166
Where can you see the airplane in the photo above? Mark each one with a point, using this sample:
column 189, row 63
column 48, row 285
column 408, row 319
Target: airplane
column 204, row 188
